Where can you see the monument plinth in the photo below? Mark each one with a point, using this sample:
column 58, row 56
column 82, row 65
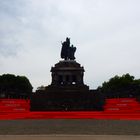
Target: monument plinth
column 67, row 91
column 67, row 75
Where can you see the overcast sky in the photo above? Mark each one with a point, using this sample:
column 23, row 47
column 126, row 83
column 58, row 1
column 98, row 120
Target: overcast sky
column 105, row 32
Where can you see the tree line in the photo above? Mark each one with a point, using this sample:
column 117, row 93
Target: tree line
column 121, row 86
column 117, row 86
column 14, row 86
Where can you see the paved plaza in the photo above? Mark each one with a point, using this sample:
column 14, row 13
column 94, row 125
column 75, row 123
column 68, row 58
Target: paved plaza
column 69, row 127
column 69, row 137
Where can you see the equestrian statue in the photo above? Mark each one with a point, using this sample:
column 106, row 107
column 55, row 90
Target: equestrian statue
column 67, row 51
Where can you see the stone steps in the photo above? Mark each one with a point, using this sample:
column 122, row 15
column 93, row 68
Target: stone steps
column 119, row 109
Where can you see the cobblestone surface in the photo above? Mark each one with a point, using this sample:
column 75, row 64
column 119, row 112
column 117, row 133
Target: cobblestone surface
column 69, row 127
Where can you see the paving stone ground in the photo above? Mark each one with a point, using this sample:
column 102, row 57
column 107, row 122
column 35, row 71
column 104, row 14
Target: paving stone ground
column 69, row 127
column 69, row 137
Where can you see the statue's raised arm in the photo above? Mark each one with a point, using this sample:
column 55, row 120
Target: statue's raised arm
column 67, row 51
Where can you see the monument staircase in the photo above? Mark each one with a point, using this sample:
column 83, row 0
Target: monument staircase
column 121, row 108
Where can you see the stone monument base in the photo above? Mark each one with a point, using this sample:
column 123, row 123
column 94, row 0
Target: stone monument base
column 62, row 101
column 67, row 91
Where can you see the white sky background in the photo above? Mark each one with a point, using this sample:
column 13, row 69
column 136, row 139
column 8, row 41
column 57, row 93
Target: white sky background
column 105, row 32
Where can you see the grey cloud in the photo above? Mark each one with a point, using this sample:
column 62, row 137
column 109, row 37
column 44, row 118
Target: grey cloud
column 10, row 26
column 106, row 34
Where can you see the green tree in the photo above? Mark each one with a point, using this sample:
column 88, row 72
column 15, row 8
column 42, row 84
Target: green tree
column 15, row 85
column 121, row 86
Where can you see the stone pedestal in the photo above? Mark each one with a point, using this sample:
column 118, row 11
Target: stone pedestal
column 67, row 73
column 67, row 76
column 67, row 91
